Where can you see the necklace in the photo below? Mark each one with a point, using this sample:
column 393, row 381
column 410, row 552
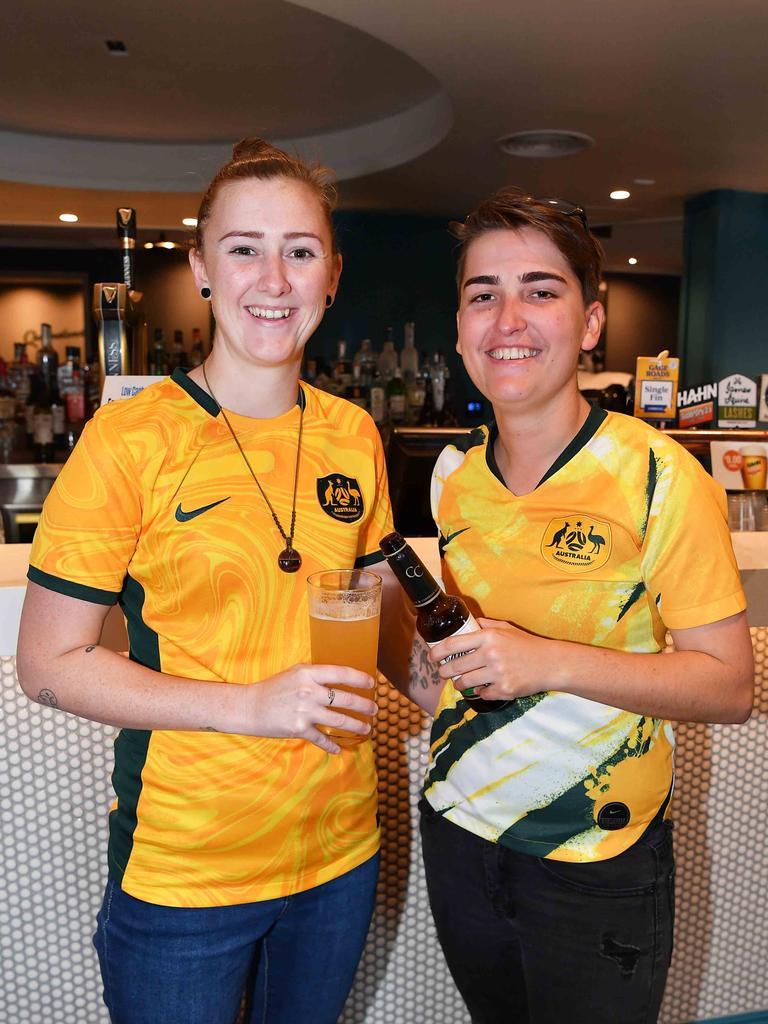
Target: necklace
column 289, row 559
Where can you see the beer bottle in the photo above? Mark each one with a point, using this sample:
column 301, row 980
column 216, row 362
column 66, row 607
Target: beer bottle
column 438, row 615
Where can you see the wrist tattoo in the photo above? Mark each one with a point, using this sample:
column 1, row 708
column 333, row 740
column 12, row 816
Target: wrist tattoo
column 91, row 648
column 423, row 673
column 48, row 698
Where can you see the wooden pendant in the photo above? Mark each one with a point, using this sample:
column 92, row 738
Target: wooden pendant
column 289, row 560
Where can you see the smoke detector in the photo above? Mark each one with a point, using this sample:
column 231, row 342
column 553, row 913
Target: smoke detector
column 547, row 143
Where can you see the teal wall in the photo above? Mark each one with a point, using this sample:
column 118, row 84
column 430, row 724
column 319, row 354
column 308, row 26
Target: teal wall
column 724, row 296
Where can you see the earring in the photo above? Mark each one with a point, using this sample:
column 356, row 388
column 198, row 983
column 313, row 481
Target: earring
column 205, row 292
column 328, row 301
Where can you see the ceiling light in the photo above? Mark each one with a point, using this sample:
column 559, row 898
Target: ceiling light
column 620, row 193
column 632, row 261
column 149, row 245
column 69, row 218
column 544, row 143
column 189, row 222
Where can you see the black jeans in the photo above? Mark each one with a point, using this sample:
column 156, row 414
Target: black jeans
column 533, row 941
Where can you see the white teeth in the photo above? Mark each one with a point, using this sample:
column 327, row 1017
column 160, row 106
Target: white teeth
column 268, row 314
column 513, row 353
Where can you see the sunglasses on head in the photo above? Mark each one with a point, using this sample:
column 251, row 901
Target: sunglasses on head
column 564, row 207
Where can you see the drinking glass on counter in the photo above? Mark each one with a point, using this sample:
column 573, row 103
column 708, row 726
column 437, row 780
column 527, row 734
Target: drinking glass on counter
column 344, row 606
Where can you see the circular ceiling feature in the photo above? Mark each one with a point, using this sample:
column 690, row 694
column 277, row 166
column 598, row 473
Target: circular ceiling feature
column 544, row 143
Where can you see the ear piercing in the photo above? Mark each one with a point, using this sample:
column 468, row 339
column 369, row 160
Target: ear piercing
column 205, row 292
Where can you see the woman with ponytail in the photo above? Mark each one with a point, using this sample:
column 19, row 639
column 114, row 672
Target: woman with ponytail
column 243, row 847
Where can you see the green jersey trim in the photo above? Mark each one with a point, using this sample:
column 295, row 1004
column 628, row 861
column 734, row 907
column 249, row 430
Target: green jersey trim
column 585, row 433
column 363, row 561
column 132, row 745
column 195, row 392
column 204, row 400
column 70, row 589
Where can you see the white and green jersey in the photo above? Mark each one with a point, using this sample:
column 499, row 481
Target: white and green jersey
column 625, row 537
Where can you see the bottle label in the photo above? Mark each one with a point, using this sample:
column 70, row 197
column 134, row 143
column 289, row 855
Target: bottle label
column 470, row 626
column 43, row 428
column 57, row 413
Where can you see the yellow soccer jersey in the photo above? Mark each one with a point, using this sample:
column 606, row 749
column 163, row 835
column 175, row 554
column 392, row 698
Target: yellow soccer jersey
column 624, row 537
column 157, row 510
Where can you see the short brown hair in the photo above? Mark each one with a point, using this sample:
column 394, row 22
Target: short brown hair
column 255, row 158
column 511, row 209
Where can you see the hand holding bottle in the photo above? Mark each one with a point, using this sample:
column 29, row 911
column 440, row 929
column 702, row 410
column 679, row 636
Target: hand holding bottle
column 498, row 663
column 440, row 618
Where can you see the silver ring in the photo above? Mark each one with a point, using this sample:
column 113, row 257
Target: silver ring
column 331, row 696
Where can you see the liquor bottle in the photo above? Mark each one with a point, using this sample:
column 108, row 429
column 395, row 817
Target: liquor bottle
column 179, row 358
column 196, row 353
column 366, row 360
column 342, row 368
column 388, row 361
column 427, row 416
column 42, row 421
column 438, row 615
column 48, row 372
column 409, row 357
column 74, row 392
column 396, row 398
column 377, row 400
column 438, row 373
column 355, row 392
column 159, row 357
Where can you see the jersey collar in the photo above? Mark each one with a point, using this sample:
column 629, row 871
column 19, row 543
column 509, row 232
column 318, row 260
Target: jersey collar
column 586, row 432
column 204, row 400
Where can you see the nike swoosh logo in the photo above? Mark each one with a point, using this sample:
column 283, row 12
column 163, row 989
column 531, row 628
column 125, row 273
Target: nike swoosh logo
column 443, row 542
column 184, row 517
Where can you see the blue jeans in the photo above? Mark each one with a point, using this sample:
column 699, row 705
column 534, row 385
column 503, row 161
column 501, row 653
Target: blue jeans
column 535, row 941
column 295, row 957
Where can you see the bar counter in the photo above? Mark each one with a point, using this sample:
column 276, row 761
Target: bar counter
column 53, row 845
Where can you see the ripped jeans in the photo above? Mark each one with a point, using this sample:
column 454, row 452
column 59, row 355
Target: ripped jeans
column 533, row 941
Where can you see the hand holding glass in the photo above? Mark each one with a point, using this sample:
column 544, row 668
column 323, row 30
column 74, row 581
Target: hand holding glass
column 344, row 606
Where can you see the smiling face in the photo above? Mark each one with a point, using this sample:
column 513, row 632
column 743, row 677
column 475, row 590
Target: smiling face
column 268, row 259
column 522, row 320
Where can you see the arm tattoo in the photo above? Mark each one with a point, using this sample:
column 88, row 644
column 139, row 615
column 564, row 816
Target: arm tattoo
column 91, row 648
column 423, row 673
column 48, row 698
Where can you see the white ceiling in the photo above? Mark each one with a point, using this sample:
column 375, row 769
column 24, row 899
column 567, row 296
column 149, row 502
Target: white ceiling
column 405, row 98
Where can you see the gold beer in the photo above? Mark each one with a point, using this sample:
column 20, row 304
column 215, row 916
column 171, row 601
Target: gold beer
column 754, row 459
column 344, row 630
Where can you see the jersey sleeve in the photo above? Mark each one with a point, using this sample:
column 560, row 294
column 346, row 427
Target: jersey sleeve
column 91, row 519
column 379, row 521
column 688, row 564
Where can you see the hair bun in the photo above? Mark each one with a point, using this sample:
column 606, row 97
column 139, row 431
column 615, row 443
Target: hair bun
column 253, row 148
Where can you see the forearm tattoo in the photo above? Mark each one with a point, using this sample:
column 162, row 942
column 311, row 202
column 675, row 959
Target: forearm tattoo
column 48, row 698
column 423, row 673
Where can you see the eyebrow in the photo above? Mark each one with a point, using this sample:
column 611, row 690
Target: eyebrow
column 483, row 279
column 529, row 278
column 260, row 234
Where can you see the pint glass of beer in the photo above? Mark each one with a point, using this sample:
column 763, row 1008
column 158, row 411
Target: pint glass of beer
column 344, row 607
column 754, row 459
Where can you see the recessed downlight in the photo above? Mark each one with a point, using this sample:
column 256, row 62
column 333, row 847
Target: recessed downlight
column 620, row 193
column 544, row 143
column 189, row 222
column 632, row 261
column 69, row 218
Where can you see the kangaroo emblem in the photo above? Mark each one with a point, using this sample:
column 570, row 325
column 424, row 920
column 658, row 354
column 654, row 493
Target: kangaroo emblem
column 555, row 542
